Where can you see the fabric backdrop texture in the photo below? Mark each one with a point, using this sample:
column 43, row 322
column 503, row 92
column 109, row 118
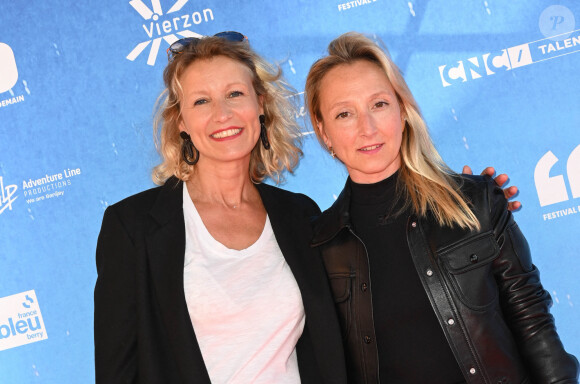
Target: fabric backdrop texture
column 497, row 82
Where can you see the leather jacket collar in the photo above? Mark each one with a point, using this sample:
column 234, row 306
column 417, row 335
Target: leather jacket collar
column 334, row 219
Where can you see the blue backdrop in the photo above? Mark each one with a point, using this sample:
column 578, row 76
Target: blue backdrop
column 497, row 81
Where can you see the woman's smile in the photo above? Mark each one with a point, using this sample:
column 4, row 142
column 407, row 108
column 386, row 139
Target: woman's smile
column 371, row 148
column 227, row 134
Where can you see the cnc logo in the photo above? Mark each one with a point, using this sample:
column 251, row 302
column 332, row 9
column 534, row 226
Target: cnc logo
column 485, row 65
column 552, row 189
column 503, row 60
column 159, row 26
column 7, row 197
column 20, row 320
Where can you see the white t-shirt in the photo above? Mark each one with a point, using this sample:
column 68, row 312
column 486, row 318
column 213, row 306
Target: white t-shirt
column 245, row 306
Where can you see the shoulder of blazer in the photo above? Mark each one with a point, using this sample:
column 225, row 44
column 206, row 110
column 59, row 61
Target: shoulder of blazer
column 275, row 198
column 159, row 202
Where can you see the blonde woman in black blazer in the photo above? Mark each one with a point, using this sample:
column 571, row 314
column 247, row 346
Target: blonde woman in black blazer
column 224, row 125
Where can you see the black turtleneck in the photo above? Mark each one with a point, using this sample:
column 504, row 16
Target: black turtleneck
column 411, row 344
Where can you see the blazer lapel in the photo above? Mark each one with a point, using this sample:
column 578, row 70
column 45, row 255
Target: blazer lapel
column 166, row 254
column 289, row 232
column 293, row 232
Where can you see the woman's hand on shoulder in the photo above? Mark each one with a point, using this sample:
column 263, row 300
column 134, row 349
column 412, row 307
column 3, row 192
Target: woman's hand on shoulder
column 501, row 179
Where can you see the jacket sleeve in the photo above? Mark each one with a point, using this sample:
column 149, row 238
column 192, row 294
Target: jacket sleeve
column 115, row 307
column 525, row 303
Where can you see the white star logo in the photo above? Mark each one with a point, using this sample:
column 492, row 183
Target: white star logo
column 170, row 27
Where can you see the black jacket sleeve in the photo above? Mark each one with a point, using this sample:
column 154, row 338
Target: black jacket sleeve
column 525, row 303
column 115, row 303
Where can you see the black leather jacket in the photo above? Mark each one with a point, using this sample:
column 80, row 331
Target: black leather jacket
column 482, row 285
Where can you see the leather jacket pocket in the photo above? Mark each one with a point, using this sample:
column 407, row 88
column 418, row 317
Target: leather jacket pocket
column 341, row 286
column 468, row 264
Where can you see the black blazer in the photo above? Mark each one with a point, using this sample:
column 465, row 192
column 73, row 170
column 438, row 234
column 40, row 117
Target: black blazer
column 143, row 332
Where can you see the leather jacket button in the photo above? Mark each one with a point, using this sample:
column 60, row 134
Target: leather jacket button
column 450, row 321
column 414, row 224
column 429, row 272
column 473, row 258
column 364, row 287
column 368, row 339
column 472, row 371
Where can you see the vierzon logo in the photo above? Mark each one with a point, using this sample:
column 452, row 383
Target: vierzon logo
column 552, row 189
column 168, row 27
column 20, row 320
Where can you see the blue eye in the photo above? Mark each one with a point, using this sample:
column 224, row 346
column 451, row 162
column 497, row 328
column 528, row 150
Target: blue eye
column 200, row 102
column 235, row 94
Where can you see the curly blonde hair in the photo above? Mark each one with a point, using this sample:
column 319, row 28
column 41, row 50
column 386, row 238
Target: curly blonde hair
column 279, row 110
column 426, row 180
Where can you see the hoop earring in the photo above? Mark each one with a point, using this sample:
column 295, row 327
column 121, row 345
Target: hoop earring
column 263, row 132
column 332, row 152
column 189, row 153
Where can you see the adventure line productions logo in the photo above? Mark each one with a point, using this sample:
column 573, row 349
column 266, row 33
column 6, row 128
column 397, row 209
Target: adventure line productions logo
column 38, row 189
column 552, row 189
column 559, row 42
column 9, row 76
column 7, row 195
column 48, row 186
column 160, row 27
column 20, row 320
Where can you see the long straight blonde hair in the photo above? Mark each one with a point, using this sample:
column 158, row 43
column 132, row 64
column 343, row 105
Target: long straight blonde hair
column 426, row 180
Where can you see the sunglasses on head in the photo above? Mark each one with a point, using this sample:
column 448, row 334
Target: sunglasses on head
column 180, row 45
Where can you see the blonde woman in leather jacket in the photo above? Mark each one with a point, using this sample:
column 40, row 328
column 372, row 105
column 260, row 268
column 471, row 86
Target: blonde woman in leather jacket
column 432, row 278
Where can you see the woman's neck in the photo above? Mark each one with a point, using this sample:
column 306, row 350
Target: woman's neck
column 226, row 184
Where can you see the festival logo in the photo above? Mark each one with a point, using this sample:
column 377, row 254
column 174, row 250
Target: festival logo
column 552, row 189
column 356, row 3
column 168, row 27
column 20, row 320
